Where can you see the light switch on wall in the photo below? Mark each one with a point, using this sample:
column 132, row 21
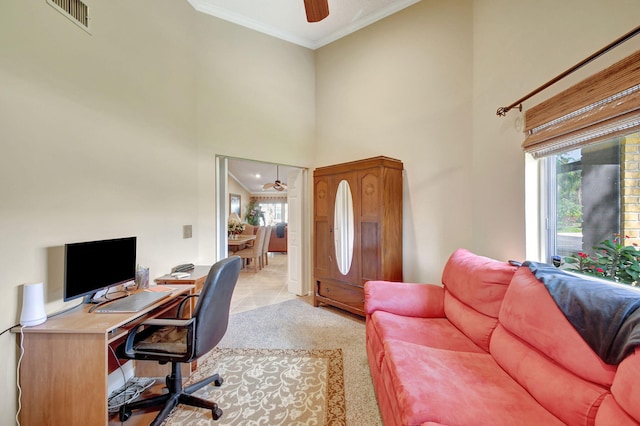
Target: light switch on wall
column 187, row 231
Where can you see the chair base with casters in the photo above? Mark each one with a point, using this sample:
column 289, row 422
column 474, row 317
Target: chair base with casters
column 177, row 395
column 183, row 340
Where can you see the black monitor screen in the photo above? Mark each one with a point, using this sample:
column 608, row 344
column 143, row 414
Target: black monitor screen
column 95, row 265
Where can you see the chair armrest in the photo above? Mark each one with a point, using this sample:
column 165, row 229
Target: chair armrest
column 183, row 302
column 407, row 299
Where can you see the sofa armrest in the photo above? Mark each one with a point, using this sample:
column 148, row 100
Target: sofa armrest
column 407, row 299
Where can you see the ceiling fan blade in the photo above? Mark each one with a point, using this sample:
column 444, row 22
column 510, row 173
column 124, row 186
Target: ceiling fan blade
column 268, row 185
column 316, row 10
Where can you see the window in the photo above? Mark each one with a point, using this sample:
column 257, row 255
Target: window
column 593, row 193
column 588, row 140
column 274, row 212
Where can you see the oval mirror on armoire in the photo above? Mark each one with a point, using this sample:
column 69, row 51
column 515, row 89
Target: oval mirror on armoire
column 343, row 227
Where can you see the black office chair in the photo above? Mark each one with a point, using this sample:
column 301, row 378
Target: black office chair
column 184, row 340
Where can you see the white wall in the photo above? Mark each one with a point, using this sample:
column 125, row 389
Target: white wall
column 115, row 134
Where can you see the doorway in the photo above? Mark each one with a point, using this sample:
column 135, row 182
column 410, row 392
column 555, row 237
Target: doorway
column 246, row 179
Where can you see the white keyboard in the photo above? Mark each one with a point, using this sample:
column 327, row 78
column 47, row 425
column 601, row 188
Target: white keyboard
column 132, row 303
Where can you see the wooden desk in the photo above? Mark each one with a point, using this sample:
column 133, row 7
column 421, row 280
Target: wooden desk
column 63, row 373
column 196, row 278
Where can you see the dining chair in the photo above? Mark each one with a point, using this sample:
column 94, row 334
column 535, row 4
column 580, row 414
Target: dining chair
column 264, row 258
column 249, row 230
column 254, row 253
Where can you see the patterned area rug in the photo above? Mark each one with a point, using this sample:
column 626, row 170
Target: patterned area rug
column 269, row 387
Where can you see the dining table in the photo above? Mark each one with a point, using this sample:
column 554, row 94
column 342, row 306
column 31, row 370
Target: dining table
column 237, row 242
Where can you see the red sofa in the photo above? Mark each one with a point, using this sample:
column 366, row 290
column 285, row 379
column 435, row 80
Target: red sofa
column 491, row 347
column 278, row 241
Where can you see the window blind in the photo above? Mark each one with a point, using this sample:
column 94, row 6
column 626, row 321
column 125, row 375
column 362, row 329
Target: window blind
column 600, row 107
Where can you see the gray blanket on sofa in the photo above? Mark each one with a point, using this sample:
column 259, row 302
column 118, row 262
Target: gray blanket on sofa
column 607, row 316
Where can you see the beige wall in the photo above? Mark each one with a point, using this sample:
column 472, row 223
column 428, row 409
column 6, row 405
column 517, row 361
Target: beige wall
column 236, row 188
column 423, row 86
column 254, row 100
column 403, row 88
column 518, row 46
column 116, row 133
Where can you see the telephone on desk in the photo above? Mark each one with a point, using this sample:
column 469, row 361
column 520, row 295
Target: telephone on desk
column 185, row 267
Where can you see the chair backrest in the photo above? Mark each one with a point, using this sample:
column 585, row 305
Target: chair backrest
column 267, row 238
column 212, row 309
column 259, row 240
column 248, row 229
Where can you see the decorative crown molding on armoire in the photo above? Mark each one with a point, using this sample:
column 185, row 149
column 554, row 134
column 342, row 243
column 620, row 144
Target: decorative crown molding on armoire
column 357, row 229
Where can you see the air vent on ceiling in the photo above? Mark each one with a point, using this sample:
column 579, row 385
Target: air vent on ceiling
column 75, row 10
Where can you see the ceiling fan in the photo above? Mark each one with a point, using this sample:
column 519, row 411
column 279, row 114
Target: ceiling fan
column 316, row 10
column 277, row 185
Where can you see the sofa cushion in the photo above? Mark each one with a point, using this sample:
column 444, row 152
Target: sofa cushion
column 432, row 332
column 569, row 397
column 625, row 387
column 474, row 288
column 530, row 313
column 605, row 314
column 407, row 299
column 474, row 325
column 477, row 281
column 540, row 349
column 610, row 413
column 455, row 388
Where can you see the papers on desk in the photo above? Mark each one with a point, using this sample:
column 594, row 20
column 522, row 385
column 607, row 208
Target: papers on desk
column 159, row 288
column 180, row 274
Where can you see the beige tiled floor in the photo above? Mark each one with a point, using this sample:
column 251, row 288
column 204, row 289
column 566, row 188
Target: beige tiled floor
column 262, row 288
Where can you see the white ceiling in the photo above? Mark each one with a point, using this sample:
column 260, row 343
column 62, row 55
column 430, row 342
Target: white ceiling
column 253, row 174
column 286, row 19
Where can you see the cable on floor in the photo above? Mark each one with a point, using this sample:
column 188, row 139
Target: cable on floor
column 132, row 389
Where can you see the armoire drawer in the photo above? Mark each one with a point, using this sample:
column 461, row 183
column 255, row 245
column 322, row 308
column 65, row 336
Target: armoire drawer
column 344, row 293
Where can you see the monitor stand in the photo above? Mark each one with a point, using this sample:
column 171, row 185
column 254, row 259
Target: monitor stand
column 100, row 297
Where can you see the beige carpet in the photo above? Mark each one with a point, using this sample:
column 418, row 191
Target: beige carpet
column 296, row 325
column 270, row 387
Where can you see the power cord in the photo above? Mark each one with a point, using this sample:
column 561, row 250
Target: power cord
column 132, row 389
column 4, row 331
column 18, row 375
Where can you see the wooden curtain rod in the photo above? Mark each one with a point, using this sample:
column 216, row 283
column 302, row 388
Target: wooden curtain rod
column 502, row 111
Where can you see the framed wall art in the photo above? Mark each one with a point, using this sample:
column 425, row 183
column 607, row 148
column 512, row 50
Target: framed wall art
column 234, row 204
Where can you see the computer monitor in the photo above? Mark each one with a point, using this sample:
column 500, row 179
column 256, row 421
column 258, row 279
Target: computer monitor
column 97, row 265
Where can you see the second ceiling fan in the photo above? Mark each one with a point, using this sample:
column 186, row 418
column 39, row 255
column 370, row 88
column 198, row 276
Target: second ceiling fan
column 278, row 185
column 316, row 10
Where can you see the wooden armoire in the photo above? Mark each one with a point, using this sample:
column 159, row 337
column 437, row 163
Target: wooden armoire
column 373, row 226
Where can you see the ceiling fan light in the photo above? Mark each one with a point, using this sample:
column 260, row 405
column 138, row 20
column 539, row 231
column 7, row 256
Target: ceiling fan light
column 278, row 185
